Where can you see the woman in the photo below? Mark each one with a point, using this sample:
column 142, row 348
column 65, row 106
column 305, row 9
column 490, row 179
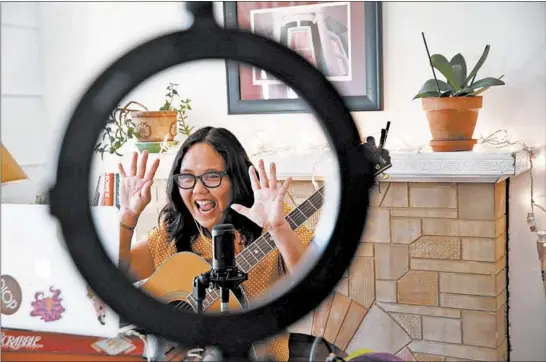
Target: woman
column 212, row 181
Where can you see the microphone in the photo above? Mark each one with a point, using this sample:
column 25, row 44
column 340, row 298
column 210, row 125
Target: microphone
column 223, row 252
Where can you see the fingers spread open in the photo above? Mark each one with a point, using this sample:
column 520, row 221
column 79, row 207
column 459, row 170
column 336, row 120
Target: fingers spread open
column 133, row 164
column 121, row 170
column 264, row 182
column 253, row 178
column 142, row 164
column 284, row 187
column 153, row 169
column 273, row 175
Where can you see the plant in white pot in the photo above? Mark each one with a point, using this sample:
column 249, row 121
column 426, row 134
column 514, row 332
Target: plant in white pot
column 452, row 106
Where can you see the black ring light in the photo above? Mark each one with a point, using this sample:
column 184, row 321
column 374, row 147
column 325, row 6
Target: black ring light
column 70, row 195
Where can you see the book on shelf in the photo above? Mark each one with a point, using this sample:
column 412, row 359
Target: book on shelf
column 107, row 190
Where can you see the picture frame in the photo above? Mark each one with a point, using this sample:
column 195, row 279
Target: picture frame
column 354, row 42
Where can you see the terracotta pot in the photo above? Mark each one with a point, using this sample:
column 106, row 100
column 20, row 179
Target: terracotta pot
column 452, row 121
column 155, row 126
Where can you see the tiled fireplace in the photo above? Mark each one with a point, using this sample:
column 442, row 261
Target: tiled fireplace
column 429, row 281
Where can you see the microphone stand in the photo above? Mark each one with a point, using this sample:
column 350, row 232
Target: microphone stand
column 226, row 279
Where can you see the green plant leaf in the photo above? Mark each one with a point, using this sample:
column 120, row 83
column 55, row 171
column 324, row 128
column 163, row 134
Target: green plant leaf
column 477, row 66
column 440, row 62
column 459, row 67
column 447, row 93
column 427, row 95
column 486, row 82
column 430, row 86
column 465, row 92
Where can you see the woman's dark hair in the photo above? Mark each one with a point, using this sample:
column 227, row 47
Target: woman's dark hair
column 178, row 221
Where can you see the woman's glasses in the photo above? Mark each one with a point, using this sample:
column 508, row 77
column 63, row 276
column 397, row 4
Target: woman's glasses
column 210, row 179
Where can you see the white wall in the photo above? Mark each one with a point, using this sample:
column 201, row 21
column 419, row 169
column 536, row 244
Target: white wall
column 77, row 40
column 24, row 124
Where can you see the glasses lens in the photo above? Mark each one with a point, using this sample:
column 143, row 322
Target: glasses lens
column 186, row 181
column 212, row 179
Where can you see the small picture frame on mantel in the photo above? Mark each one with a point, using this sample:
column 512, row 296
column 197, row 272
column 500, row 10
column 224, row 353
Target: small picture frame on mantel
column 342, row 39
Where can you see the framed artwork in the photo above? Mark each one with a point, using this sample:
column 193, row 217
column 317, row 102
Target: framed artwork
column 342, row 39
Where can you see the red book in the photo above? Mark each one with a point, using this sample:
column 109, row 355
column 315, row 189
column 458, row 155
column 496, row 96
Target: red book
column 44, row 342
column 108, row 199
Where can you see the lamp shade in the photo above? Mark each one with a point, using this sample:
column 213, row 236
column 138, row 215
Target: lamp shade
column 11, row 171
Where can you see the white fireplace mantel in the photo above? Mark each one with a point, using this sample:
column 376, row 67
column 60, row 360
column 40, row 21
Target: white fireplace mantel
column 485, row 166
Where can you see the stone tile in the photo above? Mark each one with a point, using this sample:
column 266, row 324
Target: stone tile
column 500, row 226
column 500, row 281
column 343, row 287
column 385, row 291
column 502, row 352
column 501, row 325
column 500, row 264
column 405, row 355
column 500, row 199
column 453, row 350
column 483, row 285
column 378, row 192
column 362, row 281
column 479, row 249
column 449, row 227
column 421, row 310
column 418, row 288
column 430, row 213
column 443, row 196
column 365, row 249
column 453, row 266
column 391, row 339
column 353, row 320
column 442, row 329
column 338, row 311
column 468, row 302
column 429, row 357
column 479, row 329
column 396, row 196
column 476, row 201
column 405, row 230
column 411, row 323
column 500, row 246
column 377, row 226
column 501, row 299
column 436, row 247
column 391, row 261
column 301, row 189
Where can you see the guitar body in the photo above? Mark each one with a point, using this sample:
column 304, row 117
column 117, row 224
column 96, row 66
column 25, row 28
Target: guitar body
column 172, row 283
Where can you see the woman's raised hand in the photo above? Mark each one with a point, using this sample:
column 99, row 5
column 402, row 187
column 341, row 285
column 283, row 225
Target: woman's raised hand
column 267, row 210
column 134, row 187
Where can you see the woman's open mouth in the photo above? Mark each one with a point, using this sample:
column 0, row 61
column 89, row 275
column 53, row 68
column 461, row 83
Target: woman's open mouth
column 205, row 207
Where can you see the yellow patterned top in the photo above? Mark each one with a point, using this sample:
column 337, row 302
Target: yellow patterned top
column 260, row 278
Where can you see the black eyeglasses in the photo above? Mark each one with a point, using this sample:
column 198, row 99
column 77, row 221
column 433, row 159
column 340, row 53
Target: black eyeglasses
column 210, row 179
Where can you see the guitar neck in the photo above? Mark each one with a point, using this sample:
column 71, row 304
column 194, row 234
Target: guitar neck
column 253, row 254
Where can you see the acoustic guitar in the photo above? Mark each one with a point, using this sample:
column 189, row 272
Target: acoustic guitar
column 185, row 266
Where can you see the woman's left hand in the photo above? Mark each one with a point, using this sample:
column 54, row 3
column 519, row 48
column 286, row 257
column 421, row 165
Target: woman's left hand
column 267, row 210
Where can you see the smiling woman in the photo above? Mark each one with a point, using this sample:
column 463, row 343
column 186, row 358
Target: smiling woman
column 211, row 182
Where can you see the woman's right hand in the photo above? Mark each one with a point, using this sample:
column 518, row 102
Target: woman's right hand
column 134, row 186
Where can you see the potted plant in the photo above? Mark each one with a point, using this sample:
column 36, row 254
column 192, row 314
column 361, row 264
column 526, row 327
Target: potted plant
column 452, row 106
column 152, row 130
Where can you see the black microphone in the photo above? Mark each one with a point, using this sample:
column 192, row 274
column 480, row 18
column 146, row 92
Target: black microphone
column 223, row 244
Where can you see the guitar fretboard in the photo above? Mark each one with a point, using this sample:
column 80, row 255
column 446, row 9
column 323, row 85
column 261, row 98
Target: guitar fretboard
column 253, row 254
column 261, row 247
